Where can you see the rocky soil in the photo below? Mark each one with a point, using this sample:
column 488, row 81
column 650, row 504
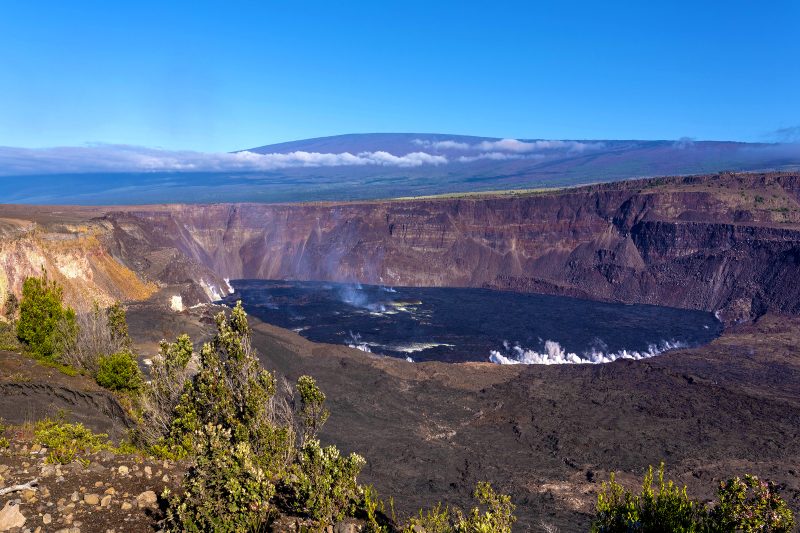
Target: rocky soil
column 113, row 493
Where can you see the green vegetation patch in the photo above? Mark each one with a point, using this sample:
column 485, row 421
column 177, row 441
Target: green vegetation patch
column 68, row 442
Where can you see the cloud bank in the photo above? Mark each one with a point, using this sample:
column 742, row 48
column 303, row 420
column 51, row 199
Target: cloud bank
column 126, row 158
column 512, row 146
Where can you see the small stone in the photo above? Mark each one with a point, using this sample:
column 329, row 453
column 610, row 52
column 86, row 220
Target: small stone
column 148, row 471
column 110, row 490
column 123, row 470
column 11, row 517
column 98, row 483
column 165, row 479
column 126, row 506
column 29, row 495
column 47, row 518
column 92, row 499
column 146, row 499
column 75, row 497
column 36, row 448
column 44, row 492
column 105, row 501
column 105, row 455
column 96, row 467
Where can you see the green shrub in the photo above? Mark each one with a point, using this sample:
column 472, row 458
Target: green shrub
column 313, row 413
column 45, row 325
column 750, row 505
column 119, row 372
column 225, row 491
column 373, row 510
column 497, row 518
column 323, row 483
column 66, row 442
column 670, row 509
column 436, row 520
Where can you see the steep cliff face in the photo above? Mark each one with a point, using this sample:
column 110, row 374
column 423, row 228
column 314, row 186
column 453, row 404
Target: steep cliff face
column 71, row 254
column 727, row 243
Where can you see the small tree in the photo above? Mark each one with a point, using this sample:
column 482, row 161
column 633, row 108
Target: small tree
column 225, row 409
column 45, row 324
column 313, row 413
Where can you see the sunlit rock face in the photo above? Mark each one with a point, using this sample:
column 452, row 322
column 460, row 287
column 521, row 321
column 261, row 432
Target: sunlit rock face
column 727, row 243
column 72, row 255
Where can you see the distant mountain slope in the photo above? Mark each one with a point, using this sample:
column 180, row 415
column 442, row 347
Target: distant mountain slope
column 369, row 166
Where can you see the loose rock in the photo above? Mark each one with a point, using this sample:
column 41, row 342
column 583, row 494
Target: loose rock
column 11, row 517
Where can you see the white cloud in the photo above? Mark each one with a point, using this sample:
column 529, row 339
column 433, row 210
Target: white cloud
column 124, row 158
column 513, row 145
column 442, row 145
column 509, row 146
column 494, row 156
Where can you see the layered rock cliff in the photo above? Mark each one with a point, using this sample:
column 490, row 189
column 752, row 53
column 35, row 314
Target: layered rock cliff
column 727, row 243
column 70, row 253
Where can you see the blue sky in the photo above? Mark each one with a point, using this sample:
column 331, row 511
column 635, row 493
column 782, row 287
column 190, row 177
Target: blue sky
column 229, row 75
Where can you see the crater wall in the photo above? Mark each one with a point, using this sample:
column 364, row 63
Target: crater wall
column 728, row 243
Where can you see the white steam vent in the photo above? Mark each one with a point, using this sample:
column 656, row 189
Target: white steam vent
column 176, row 303
column 554, row 354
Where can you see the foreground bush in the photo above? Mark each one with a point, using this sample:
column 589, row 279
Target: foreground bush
column 225, row 491
column 45, row 325
column 748, row 506
column 497, row 518
column 323, row 484
column 119, row 372
column 667, row 509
